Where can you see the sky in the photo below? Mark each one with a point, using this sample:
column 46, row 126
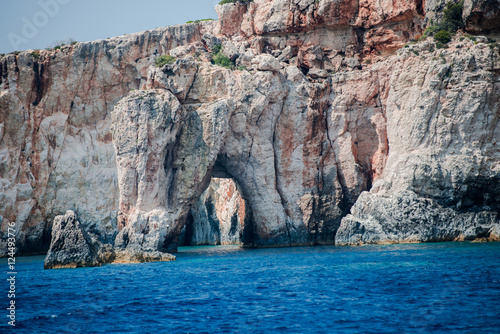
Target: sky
column 38, row 24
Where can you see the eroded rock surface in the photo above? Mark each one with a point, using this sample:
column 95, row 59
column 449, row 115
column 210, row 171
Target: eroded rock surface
column 319, row 109
column 442, row 126
column 71, row 246
column 406, row 217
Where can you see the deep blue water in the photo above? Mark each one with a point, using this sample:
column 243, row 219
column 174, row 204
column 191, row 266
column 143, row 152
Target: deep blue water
column 420, row 288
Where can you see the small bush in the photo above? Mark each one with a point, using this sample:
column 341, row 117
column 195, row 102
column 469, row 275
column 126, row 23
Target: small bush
column 452, row 21
column 216, row 49
column 56, row 45
column 198, row 21
column 234, row 1
column 443, row 36
column 453, row 16
column 415, row 52
column 430, row 31
column 242, row 68
column 35, row 55
column 222, row 60
column 368, row 61
column 163, row 60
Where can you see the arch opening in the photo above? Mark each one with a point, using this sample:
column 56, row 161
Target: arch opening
column 218, row 217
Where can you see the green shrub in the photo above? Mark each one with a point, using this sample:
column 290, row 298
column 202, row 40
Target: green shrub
column 453, row 16
column 222, row 60
column 430, row 31
column 198, row 21
column 242, row 68
column 35, row 55
column 234, row 1
column 452, row 21
column 216, row 49
column 442, row 36
column 163, row 60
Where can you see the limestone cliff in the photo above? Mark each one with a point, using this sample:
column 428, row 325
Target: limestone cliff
column 321, row 107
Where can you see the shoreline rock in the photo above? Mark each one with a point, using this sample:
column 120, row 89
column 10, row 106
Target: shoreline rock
column 407, row 218
column 72, row 247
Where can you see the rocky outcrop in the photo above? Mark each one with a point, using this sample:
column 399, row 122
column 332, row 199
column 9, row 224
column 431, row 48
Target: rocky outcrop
column 445, row 151
column 365, row 25
column 482, row 16
column 319, row 110
column 406, row 217
column 72, row 247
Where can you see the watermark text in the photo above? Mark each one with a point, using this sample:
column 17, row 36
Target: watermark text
column 11, row 273
column 31, row 26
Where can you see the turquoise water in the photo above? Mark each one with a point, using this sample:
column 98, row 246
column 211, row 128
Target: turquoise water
column 421, row 288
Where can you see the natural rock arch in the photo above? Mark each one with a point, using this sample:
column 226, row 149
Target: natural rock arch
column 296, row 183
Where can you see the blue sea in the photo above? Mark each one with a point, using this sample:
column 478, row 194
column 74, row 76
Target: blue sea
column 416, row 288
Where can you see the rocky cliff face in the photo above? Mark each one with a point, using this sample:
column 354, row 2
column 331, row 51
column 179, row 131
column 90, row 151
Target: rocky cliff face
column 442, row 126
column 321, row 109
column 56, row 150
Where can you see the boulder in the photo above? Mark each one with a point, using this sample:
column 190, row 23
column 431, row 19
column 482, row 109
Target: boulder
column 71, row 246
column 266, row 62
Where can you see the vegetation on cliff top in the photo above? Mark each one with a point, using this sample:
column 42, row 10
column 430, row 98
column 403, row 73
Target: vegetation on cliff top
column 198, row 21
column 234, row 1
column 452, row 21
